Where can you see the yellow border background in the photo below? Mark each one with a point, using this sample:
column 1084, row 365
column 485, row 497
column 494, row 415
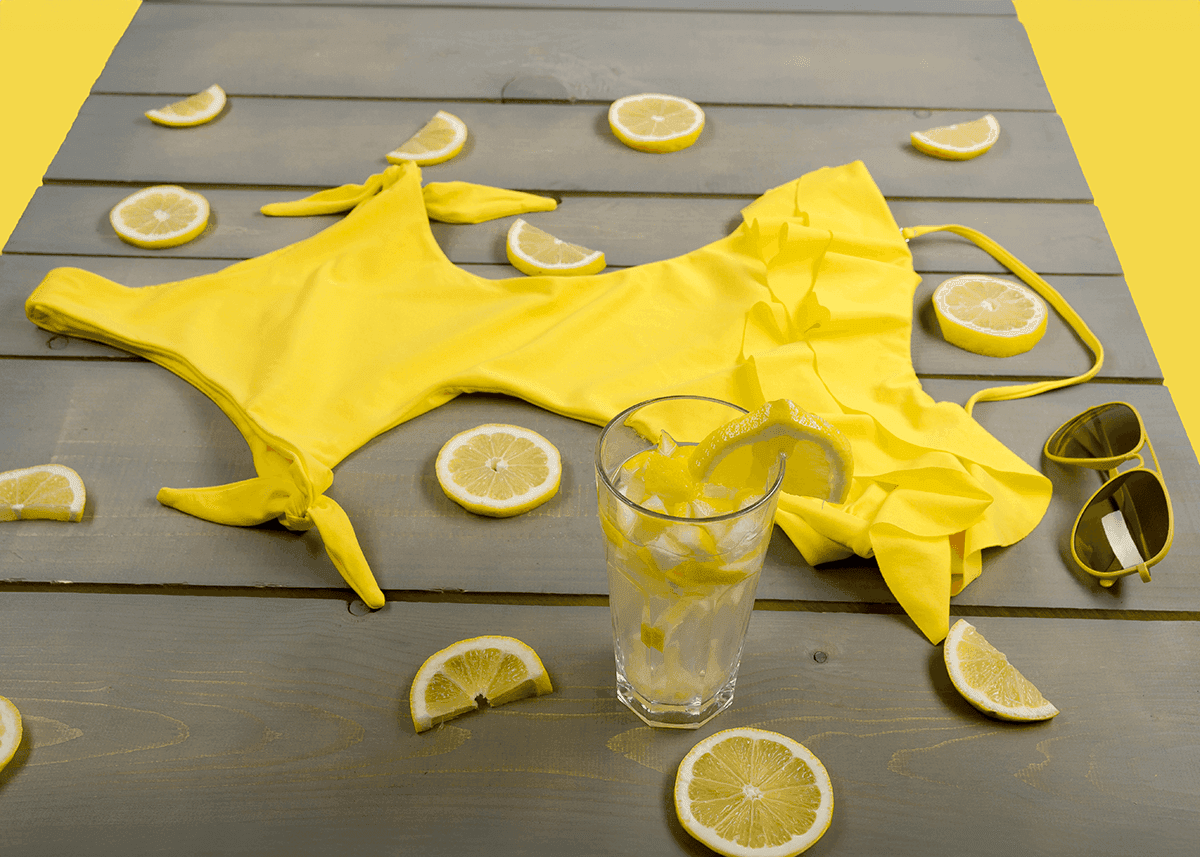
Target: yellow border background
column 1122, row 74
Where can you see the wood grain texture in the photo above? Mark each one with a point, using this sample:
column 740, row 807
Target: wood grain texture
column 559, row 147
column 130, row 429
column 280, row 726
column 901, row 60
column 1052, row 238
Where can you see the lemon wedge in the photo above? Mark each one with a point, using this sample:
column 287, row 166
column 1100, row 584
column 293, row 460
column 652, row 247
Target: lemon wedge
column 194, row 110
column 451, row 682
column 10, row 731
column 534, row 252
column 819, row 460
column 988, row 315
column 160, row 216
column 499, row 470
column 439, row 140
column 748, row 792
column 652, row 122
column 959, row 142
column 47, row 491
column 986, row 679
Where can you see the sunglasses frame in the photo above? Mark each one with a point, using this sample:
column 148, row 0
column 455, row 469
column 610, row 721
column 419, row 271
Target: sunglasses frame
column 1109, row 466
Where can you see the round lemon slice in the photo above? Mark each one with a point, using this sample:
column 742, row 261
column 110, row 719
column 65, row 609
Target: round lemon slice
column 819, row 459
column 499, row 470
column 752, row 793
column 451, row 682
column 534, row 252
column 194, row 110
column 160, row 216
column 988, row 681
column 439, row 140
column 10, row 731
column 47, row 491
column 652, row 122
column 959, row 142
column 988, row 315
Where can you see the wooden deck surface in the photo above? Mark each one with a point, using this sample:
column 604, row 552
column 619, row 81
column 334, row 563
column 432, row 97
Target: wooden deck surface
column 189, row 688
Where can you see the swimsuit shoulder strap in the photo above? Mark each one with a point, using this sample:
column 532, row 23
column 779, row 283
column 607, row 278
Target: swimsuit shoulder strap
column 1056, row 300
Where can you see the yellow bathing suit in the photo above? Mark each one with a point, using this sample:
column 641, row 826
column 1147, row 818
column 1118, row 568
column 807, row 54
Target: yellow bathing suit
column 315, row 348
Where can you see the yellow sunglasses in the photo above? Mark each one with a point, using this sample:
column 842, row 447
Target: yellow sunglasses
column 1127, row 525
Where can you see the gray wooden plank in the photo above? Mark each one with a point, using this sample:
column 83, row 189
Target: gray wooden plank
column 279, row 726
column 917, row 7
column 130, row 429
column 1052, row 238
column 743, row 150
column 1104, row 302
column 965, row 62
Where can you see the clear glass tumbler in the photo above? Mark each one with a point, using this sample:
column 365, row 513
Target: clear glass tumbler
column 681, row 590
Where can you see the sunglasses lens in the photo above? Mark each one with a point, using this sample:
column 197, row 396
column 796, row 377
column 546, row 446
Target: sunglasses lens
column 1105, row 432
column 1128, row 522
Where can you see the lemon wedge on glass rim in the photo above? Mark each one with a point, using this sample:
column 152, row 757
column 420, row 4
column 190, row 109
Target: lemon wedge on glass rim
column 452, row 681
column 735, row 463
column 536, row 252
column 819, row 459
column 653, row 122
column 985, row 678
column 499, row 470
column 46, row 491
column 959, row 142
column 748, row 792
column 988, row 315
column 194, row 110
column 439, row 140
column 160, row 216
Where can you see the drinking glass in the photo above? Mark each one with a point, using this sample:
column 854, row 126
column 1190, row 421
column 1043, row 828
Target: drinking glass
column 681, row 589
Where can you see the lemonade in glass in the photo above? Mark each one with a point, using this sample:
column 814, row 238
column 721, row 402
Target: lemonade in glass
column 684, row 557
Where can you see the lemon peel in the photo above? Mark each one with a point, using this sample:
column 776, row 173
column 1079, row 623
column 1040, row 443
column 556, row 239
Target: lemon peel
column 535, row 252
column 499, row 470
column 820, row 461
column 160, row 216
column 194, row 110
column 452, row 681
column 985, row 678
column 45, row 491
column 959, row 142
column 748, row 792
column 10, row 731
column 654, row 122
column 439, row 140
column 988, row 315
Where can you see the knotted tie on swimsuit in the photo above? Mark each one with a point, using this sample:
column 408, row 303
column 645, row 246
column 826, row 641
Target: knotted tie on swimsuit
column 314, row 349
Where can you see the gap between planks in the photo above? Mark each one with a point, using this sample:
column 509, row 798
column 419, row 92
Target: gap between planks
column 537, row 599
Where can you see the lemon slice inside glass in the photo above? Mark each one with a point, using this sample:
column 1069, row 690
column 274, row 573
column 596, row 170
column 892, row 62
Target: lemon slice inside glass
column 959, row 142
column 988, row 315
column 160, row 216
column 752, row 793
column 986, row 679
column 47, row 491
column 653, row 122
column 496, row 669
column 499, row 470
column 194, row 110
column 536, row 252
column 439, row 140
column 10, row 731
